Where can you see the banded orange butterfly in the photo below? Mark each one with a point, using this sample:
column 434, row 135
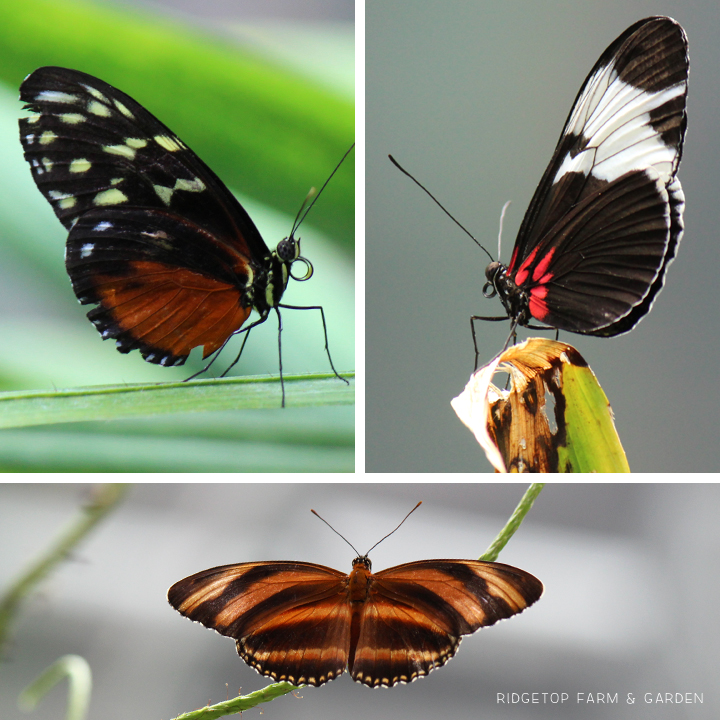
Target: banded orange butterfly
column 306, row 623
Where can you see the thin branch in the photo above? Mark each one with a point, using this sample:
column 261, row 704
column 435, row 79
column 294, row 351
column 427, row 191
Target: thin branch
column 105, row 498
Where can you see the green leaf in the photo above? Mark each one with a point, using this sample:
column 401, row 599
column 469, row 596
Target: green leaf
column 592, row 443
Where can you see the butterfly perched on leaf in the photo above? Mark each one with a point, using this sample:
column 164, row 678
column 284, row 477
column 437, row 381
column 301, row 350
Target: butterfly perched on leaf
column 606, row 219
column 156, row 242
column 307, row 624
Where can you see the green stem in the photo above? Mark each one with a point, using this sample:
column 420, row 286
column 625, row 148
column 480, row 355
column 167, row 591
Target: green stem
column 79, row 677
column 240, row 703
column 513, row 523
column 104, row 499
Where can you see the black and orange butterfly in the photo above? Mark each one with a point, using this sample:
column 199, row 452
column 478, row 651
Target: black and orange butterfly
column 306, row 623
column 156, row 240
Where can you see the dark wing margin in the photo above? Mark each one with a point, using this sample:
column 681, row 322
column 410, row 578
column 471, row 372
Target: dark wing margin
column 417, row 613
column 629, row 117
column 290, row 620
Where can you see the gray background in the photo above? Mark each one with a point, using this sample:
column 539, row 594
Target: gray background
column 630, row 604
column 471, row 98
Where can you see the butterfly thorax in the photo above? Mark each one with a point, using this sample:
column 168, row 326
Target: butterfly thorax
column 514, row 299
column 359, row 581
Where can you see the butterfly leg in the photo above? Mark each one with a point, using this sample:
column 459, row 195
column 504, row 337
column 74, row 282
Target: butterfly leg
column 242, row 347
column 324, row 324
column 282, row 381
column 222, row 347
column 473, row 318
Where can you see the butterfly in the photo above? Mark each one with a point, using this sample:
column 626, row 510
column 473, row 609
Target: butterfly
column 156, row 240
column 306, row 623
column 607, row 217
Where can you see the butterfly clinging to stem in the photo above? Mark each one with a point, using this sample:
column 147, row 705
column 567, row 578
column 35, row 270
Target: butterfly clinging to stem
column 307, row 624
column 606, row 219
column 156, row 241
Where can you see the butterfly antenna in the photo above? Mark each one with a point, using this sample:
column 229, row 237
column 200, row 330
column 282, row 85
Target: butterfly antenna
column 297, row 222
column 335, row 531
column 392, row 531
column 502, row 217
column 440, row 205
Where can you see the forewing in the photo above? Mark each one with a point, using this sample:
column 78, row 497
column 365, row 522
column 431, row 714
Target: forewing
column 417, row 612
column 92, row 146
column 290, row 620
column 628, row 118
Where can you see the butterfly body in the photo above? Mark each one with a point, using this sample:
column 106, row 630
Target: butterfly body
column 308, row 623
column 156, row 240
column 606, row 219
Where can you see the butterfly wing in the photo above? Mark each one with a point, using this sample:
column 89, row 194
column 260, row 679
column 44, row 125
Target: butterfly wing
column 290, row 620
column 606, row 218
column 161, row 284
column 416, row 614
column 104, row 163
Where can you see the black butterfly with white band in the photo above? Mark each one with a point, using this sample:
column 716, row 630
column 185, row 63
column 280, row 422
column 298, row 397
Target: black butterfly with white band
column 606, row 219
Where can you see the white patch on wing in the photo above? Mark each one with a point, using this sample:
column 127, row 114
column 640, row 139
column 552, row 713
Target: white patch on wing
column 86, row 250
column 56, row 96
column 613, row 117
column 581, row 163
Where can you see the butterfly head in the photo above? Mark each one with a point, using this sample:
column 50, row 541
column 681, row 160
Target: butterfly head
column 491, row 273
column 288, row 253
column 363, row 561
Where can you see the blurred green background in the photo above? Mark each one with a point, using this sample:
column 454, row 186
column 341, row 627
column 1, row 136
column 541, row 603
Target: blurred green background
column 268, row 103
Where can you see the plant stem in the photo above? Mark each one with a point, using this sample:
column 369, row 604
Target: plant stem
column 513, row 523
column 240, row 703
column 79, row 677
column 104, row 499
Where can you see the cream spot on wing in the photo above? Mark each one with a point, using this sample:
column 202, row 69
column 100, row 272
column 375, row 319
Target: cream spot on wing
column 110, row 197
column 96, row 93
column 71, row 118
column 195, row 185
column 80, row 165
column 123, row 150
column 164, row 193
column 123, row 109
column 97, row 108
column 170, row 144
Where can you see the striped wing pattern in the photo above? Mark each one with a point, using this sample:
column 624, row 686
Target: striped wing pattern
column 290, row 620
column 156, row 239
column 417, row 612
column 303, row 623
column 606, row 218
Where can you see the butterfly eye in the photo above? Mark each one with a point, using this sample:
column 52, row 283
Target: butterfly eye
column 308, row 269
column 288, row 250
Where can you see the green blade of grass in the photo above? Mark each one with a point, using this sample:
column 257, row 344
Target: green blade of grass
column 21, row 409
